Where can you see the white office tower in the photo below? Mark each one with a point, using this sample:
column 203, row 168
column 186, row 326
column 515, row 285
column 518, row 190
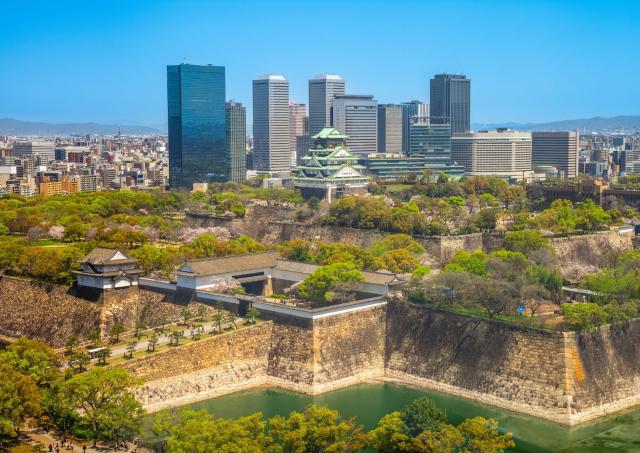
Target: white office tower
column 357, row 117
column 322, row 89
column 271, row 134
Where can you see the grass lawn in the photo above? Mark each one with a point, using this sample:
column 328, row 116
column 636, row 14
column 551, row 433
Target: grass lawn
column 398, row 187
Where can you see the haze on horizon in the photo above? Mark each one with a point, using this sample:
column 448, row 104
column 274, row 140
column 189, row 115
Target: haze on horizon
column 105, row 61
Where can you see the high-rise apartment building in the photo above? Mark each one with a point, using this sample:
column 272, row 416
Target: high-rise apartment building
column 503, row 153
column 450, row 101
column 237, row 140
column 357, row 117
column 390, row 128
column 197, row 125
column 42, row 152
column 559, row 149
column 322, row 89
column 297, row 129
column 271, row 139
column 409, row 110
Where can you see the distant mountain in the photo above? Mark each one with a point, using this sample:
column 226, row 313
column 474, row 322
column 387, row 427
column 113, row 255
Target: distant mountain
column 596, row 124
column 10, row 126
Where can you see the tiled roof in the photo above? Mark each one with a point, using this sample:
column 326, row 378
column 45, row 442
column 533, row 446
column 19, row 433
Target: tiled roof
column 380, row 278
column 226, row 264
column 331, row 133
column 100, row 255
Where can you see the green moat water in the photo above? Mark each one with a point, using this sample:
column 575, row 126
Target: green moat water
column 369, row 402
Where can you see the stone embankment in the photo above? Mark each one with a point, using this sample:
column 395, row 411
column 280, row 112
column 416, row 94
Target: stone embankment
column 53, row 313
column 560, row 376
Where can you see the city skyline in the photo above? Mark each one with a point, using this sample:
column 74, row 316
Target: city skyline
column 115, row 73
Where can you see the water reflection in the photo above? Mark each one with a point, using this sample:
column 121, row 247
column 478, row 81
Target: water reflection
column 369, row 402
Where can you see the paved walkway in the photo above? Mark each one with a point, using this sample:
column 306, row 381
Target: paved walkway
column 165, row 338
column 48, row 439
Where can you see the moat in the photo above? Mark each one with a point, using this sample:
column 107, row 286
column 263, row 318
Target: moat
column 369, row 402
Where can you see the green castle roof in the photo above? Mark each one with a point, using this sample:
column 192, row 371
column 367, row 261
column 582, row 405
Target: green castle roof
column 330, row 133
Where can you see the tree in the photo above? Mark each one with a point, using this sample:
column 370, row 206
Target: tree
column 486, row 219
column 116, row 330
column 525, row 241
column 79, row 361
column 103, row 354
column 186, row 314
column 34, row 359
column 590, row 216
column 218, row 317
column 313, row 203
column 131, row 347
column 71, row 343
column 174, row 337
column 446, row 439
column 201, row 312
column 422, row 414
column 390, row 436
column 253, row 315
column 584, row 315
column 319, row 281
column 105, row 402
column 19, row 399
column 151, row 342
column 317, row 429
column 94, row 338
column 230, row 318
column 463, row 261
column 481, row 435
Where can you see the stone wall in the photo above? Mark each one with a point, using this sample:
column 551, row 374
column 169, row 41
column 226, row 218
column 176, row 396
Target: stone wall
column 349, row 348
column 581, row 255
column 210, row 367
column 494, row 362
column 45, row 312
column 52, row 313
column 606, row 369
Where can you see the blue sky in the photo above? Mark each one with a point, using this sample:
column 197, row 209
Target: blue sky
column 104, row 61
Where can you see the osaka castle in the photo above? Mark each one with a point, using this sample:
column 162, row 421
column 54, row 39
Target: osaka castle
column 329, row 169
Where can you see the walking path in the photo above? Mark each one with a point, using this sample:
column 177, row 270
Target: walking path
column 47, row 439
column 166, row 338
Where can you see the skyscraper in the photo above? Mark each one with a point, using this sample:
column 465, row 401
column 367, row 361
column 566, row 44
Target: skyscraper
column 197, row 125
column 390, row 128
column 559, row 149
column 271, row 139
column 237, row 140
column 322, row 89
column 411, row 109
column 297, row 130
column 451, row 101
column 357, row 117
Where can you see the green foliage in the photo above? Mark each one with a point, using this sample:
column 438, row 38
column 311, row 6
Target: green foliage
column 525, row 241
column 473, row 263
column 584, row 315
column 322, row 279
column 19, row 399
column 33, row 359
column 421, row 271
column 253, row 315
column 108, row 408
column 422, row 414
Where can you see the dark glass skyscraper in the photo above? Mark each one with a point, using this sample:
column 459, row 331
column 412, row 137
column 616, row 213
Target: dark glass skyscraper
column 450, row 101
column 431, row 141
column 197, row 125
